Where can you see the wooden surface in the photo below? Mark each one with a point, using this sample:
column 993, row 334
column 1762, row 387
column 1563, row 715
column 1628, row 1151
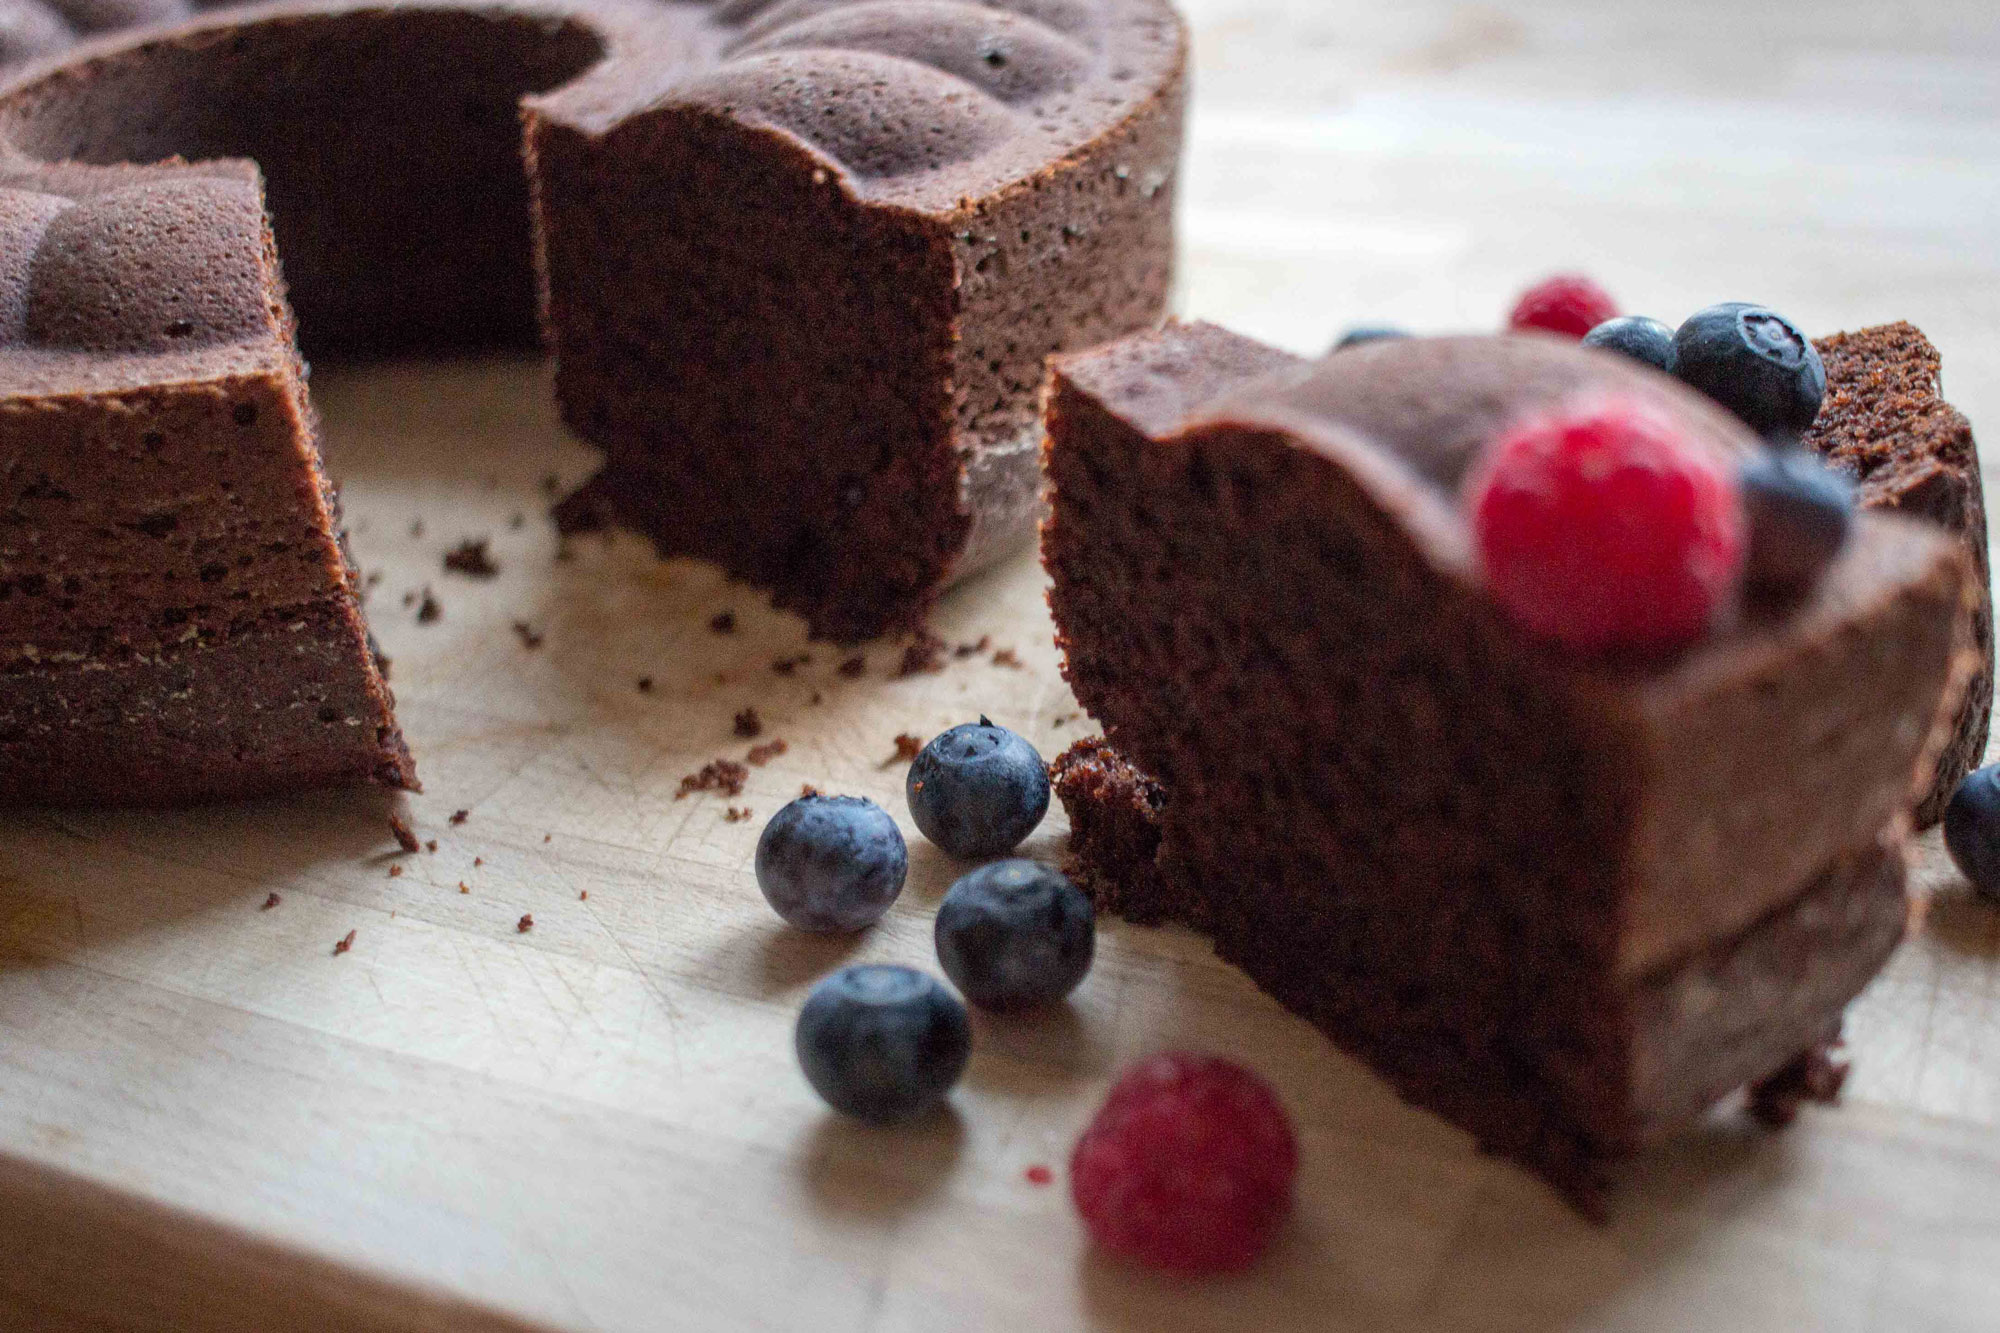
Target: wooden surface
column 207, row 1119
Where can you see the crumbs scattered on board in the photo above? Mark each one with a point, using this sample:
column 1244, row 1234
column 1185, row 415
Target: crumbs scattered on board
column 723, row 775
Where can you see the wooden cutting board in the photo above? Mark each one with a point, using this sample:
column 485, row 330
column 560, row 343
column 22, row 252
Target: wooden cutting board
column 208, row 1119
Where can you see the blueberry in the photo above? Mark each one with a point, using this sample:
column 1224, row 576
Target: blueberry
column 882, row 1043
column 1369, row 333
column 977, row 790
column 1755, row 362
column 1972, row 829
column 831, row 863
column 1644, row 340
column 1015, row 934
column 1799, row 514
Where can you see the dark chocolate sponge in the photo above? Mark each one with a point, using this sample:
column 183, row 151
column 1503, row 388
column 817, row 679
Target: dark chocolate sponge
column 800, row 263
column 1567, row 905
column 1885, row 423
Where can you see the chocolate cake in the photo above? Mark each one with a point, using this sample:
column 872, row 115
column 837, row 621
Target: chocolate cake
column 1567, row 903
column 800, row 262
column 1885, row 423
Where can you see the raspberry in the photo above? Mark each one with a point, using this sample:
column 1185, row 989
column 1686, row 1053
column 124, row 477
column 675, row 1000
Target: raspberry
column 1600, row 526
column 1568, row 303
column 1188, row 1166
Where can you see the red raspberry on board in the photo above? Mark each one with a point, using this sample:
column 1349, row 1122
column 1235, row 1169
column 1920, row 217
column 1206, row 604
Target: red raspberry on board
column 1187, row 1167
column 1567, row 303
column 1599, row 525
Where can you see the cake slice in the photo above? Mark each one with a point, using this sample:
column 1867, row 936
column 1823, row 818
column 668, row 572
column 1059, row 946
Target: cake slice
column 1566, row 904
column 183, row 621
column 1885, row 423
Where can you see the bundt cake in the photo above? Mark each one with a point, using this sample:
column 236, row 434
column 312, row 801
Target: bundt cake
column 1567, row 903
column 800, row 262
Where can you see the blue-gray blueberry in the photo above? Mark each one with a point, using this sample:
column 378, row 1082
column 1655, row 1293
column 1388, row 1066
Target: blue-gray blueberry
column 978, row 790
column 831, row 863
column 1014, row 934
column 882, row 1043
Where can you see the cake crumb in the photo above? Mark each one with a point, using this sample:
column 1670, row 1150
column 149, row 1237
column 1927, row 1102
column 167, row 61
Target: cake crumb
column 1007, row 657
column 410, row 597
column 529, row 638
column 1039, row 1174
column 526, row 923
column 807, row 789
column 908, row 747
column 270, row 902
column 748, row 724
column 645, row 684
column 723, row 622
column 815, row 699
column 343, row 944
column 853, row 666
column 478, row 861
column 723, row 775
column 471, row 558
column 924, row 655
column 396, row 871
column 785, row 666
column 1811, row 1076
column 428, row 610
column 765, row 753
column 405, row 839
column 373, row 580
column 963, row 650
column 431, row 845
column 548, row 837
column 735, row 814
column 463, row 887
column 459, row 816
column 583, row 895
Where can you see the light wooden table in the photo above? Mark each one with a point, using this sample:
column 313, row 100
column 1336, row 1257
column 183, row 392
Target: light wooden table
column 209, row 1120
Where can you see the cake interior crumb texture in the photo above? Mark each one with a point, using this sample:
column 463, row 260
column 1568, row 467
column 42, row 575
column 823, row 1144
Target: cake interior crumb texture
column 800, row 266
column 1567, row 906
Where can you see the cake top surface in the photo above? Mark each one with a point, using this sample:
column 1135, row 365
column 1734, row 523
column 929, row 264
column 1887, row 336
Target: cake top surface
column 1406, row 417
column 927, row 104
column 144, row 275
column 116, row 276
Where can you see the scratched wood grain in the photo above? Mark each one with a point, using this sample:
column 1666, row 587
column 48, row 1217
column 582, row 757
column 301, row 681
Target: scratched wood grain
column 210, row 1120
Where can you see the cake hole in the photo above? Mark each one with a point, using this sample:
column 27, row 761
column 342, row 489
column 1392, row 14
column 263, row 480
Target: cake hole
column 213, row 572
column 157, row 525
column 180, row 328
column 245, row 414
